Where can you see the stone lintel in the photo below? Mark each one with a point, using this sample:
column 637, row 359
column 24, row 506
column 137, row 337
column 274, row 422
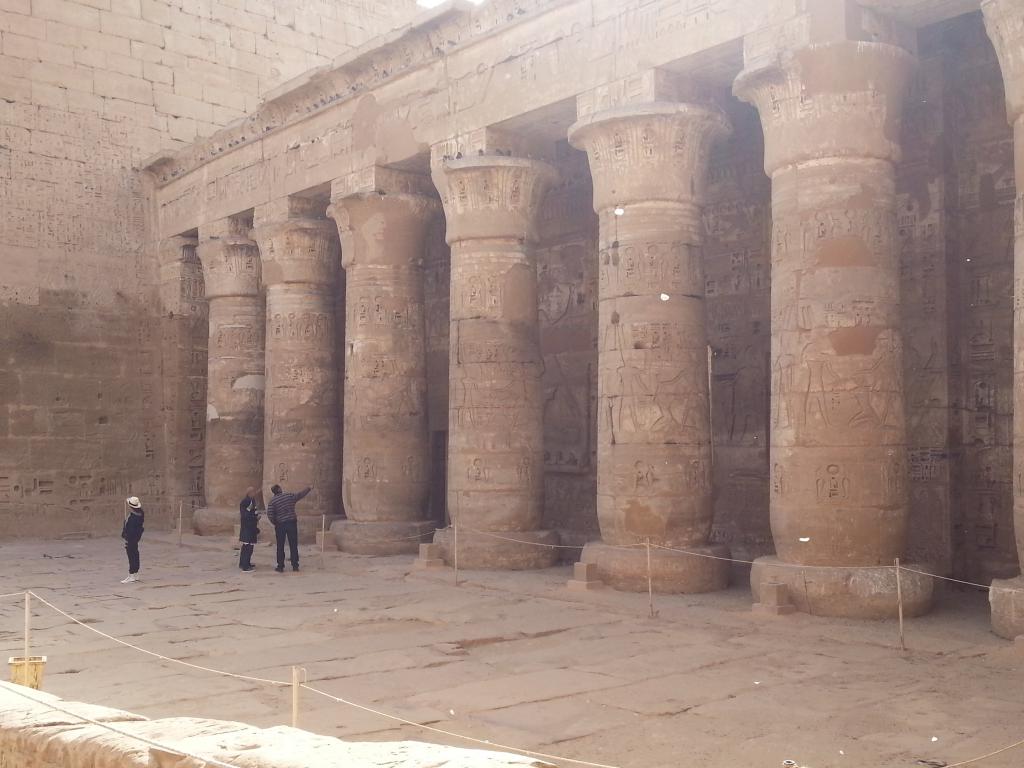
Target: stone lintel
column 833, row 100
column 1004, row 21
column 487, row 141
column 381, row 180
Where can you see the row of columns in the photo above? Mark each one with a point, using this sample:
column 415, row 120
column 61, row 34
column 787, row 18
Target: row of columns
column 830, row 113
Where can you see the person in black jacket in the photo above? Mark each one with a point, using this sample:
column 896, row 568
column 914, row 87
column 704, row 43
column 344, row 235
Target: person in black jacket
column 248, row 530
column 131, row 532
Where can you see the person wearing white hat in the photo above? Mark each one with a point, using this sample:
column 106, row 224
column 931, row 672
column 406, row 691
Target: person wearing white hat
column 132, row 533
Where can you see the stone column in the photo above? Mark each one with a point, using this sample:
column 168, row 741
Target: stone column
column 648, row 162
column 1004, row 20
column 831, row 119
column 495, row 420
column 234, row 388
column 299, row 259
column 383, row 217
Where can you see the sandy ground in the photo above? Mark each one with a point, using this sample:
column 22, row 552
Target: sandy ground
column 518, row 659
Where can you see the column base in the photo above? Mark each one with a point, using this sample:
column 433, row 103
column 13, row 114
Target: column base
column 530, row 550
column 671, row 572
column 1006, row 597
column 211, row 521
column 403, row 538
column 845, row 592
column 309, row 527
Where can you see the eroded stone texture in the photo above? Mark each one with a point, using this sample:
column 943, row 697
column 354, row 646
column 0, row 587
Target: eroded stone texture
column 1004, row 20
column 648, row 162
column 383, row 217
column 235, row 379
column 299, row 260
column 495, row 432
column 831, row 116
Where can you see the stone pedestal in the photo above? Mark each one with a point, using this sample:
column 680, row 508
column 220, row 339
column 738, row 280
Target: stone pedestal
column 383, row 218
column 235, row 379
column 831, row 117
column 1004, row 20
column 495, row 429
column 299, row 257
column 648, row 162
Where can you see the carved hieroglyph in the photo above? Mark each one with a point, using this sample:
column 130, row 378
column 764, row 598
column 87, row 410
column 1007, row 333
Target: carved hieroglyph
column 383, row 225
column 234, row 393
column 831, row 116
column 1004, row 20
column 496, row 434
column 648, row 163
column 299, row 259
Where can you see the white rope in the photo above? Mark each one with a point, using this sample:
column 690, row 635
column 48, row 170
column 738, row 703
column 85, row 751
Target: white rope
column 491, row 744
column 149, row 742
column 12, row 594
column 990, row 754
column 160, row 656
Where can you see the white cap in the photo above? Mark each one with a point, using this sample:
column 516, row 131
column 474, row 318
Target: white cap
column 133, row 501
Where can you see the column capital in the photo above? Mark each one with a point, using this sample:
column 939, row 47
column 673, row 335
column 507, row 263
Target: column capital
column 838, row 99
column 651, row 152
column 382, row 215
column 489, row 196
column 231, row 260
column 297, row 244
column 1004, row 21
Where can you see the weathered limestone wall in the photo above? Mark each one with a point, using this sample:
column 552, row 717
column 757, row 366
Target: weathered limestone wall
column 33, row 735
column 103, row 339
column 981, row 192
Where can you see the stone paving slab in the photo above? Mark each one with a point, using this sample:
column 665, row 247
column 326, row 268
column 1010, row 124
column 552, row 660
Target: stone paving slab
column 516, row 658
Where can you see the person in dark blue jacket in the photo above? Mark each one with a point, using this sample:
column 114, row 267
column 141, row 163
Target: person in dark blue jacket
column 131, row 532
column 248, row 529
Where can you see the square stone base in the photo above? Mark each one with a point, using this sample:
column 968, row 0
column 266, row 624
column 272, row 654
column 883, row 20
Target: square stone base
column 846, row 592
column 513, row 551
column 1006, row 598
column 698, row 570
column 403, row 538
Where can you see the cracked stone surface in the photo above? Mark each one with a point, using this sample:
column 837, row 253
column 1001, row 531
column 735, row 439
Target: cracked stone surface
column 515, row 658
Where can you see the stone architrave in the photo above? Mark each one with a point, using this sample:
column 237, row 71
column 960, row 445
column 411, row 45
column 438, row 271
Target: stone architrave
column 234, row 391
column 831, row 117
column 383, row 217
column 1004, row 20
column 299, row 261
column 495, row 421
column 648, row 162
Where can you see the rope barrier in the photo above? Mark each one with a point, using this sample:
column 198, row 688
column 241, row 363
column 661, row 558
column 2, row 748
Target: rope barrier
column 986, row 757
column 485, row 742
column 12, row 594
column 160, row 656
column 212, row 761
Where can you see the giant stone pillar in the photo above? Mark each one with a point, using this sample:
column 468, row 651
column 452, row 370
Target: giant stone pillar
column 1004, row 20
column 299, row 258
column 383, row 217
column 495, row 421
column 831, row 116
column 648, row 162
column 235, row 379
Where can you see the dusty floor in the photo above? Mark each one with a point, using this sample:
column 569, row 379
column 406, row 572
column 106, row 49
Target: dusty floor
column 518, row 659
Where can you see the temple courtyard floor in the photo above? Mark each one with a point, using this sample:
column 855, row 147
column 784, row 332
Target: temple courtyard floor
column 515, row 658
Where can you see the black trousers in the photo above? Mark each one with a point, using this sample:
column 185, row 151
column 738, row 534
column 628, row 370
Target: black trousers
column 289, row 530
column 132, row 548
column 245, row 555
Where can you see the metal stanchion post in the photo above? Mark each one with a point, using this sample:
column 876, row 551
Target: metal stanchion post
column 899, row 601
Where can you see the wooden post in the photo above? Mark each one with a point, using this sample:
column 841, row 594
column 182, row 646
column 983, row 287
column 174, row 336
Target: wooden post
column 179, row 523
column 295, row 697
column 455, row 551
column 650, row 583
column 28, row 627
column 899, row 602
column 323, row 540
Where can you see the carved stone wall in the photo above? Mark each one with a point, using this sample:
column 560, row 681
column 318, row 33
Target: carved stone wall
column 101, row 380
